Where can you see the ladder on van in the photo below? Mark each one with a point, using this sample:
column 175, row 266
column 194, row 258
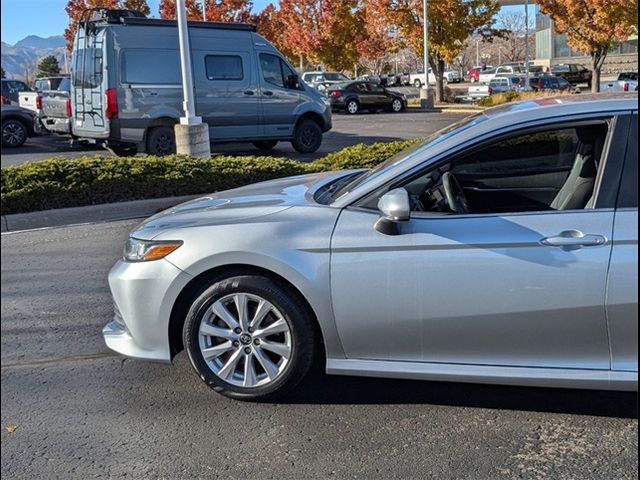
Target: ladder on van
column 96, row 94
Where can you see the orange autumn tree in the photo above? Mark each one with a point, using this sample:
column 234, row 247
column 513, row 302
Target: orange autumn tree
column 270, row 25
column 168, row 10
column 229, row 10
column 378, row 36
column 323, row 31
column 75, row 9
column 450, row 24
column 593, row 27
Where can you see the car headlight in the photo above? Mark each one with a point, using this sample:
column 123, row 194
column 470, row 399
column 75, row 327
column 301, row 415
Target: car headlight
column 136, row 250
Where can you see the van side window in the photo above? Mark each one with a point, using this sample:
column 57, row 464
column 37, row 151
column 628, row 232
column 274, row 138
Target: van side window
column 224, row 67
column 136, row 67
column 274, row 70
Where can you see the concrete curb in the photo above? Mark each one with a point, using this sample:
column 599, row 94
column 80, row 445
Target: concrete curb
column 107, row 212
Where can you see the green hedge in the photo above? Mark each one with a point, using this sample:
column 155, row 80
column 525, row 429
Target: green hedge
column 90, row 180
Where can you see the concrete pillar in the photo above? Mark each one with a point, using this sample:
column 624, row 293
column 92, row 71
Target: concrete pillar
column 426, row 97
column 193, row 140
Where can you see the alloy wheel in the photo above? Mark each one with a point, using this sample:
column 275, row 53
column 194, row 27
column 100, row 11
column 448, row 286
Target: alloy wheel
column 13, row 134
column 245, row 340
column 352, row 107
column 396, row 105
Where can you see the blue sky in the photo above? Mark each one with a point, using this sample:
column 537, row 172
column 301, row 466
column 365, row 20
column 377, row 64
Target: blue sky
column 47, row 17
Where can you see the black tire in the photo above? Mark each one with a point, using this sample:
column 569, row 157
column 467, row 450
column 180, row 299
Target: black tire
column 14, row 133
column 161, row 141
column 352, row 106
column 265, row 144
column 417, row 83
column 307, row 137
column 294, row 312
column 123, row 150
column 397, row 105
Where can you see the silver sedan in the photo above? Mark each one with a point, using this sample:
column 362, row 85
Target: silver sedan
column 503, row 249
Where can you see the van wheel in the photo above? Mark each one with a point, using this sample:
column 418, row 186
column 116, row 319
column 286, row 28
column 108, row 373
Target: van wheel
column 307, row 137
column 123, row 150
column 161, row 141
column 265, row 144
column 248, row 337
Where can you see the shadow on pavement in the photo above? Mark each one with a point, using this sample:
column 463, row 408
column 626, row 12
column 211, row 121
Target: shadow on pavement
column 326, row 389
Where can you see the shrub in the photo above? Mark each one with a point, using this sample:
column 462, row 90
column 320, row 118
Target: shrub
column 90, row 180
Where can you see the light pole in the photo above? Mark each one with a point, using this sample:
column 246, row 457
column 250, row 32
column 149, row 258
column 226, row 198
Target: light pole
column 204, row 10
column 192, row 136
column 526, row 45
column 477, row 52
column 426, row 100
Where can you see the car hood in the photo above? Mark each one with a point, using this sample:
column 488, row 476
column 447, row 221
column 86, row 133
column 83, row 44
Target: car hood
column 238, row 205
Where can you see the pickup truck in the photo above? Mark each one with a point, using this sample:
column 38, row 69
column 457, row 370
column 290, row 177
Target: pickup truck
column 626, row 82
column 504, row 83
column 31, row 99
column 56, row 108
column 450, row 76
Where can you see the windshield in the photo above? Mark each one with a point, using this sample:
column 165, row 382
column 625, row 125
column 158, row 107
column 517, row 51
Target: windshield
column 410, row 153
column 332, row 77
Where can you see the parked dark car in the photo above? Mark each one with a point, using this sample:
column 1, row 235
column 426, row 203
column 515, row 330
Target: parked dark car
column 549, row 82
column 11, row 91
column 17, row 125
column 354, row 97
column 573, row 73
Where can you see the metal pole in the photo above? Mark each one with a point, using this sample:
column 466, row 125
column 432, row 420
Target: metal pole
column 204, row 10
column 425, row 33
column 526, row 45
column 477, row 52
column 185, row 65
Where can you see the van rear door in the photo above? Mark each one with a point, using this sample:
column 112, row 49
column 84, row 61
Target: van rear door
column 89, row 85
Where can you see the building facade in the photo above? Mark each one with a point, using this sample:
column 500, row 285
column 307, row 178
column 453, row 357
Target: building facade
column 552, row 48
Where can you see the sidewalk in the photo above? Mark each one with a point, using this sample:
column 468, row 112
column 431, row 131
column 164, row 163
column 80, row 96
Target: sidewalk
column 108, row 212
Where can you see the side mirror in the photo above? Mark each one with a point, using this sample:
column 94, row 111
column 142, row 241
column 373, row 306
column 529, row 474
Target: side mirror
column 394, row 205
column 293, row 81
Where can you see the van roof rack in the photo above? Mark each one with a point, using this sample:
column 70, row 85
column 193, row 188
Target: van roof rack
column 98, row 16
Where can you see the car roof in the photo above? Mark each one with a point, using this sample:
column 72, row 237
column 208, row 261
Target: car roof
column 503, row 118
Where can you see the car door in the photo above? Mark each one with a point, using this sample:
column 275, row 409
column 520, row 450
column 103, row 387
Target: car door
column 622, row 285
column 278, row 101
column 227, row 95
column 378, row 95
column 518, row 289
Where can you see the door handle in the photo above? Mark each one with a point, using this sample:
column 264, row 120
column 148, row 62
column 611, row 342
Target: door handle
column 249, row 92
column 153, row 94
column 573, row 238
column 268, row 93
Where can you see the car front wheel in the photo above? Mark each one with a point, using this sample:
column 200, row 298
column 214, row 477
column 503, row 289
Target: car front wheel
column 249, row 337
column 14, row 133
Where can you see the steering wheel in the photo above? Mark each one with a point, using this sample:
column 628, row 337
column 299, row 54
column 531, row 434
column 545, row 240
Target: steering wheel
column 454, row 193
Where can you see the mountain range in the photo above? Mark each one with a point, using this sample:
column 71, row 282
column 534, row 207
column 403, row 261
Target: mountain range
column 21, row 59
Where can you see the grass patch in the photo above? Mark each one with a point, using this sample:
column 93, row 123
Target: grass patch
column 507, row 97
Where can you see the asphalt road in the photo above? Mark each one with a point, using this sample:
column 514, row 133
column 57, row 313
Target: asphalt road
column 347, row 130
column 81, row 412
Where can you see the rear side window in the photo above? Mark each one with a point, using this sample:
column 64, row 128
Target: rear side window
column 152, row 67
column 561, row 69
column 628, row 196
column 224, row 67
